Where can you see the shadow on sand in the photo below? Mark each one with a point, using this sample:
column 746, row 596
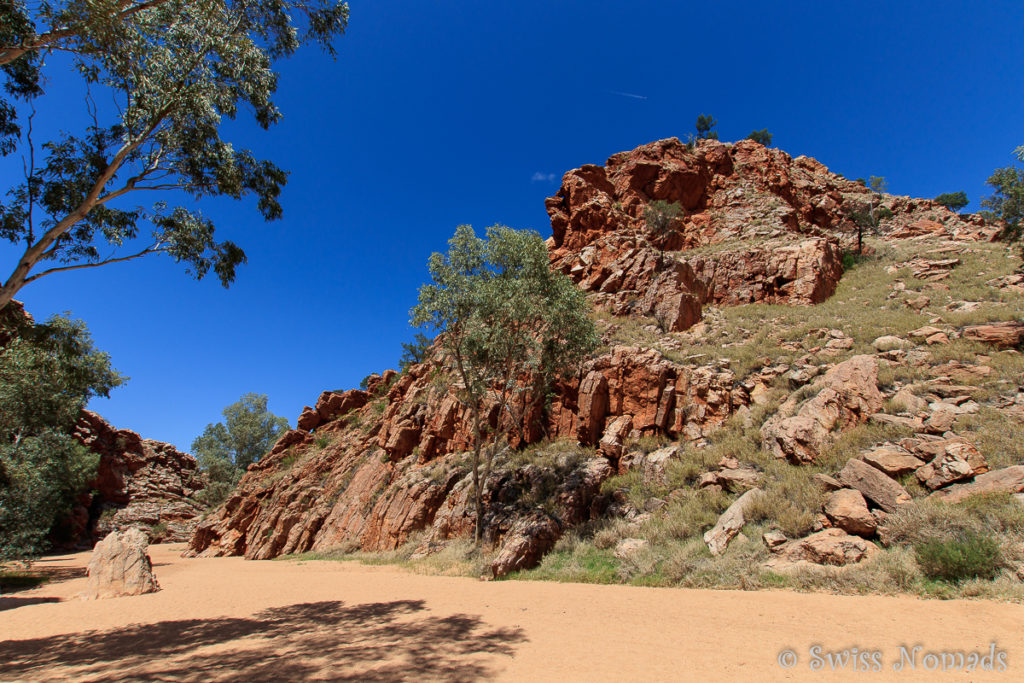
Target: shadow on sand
column 7, row 602
column 384, row 641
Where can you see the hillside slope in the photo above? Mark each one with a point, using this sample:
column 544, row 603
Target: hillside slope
column 738, row 357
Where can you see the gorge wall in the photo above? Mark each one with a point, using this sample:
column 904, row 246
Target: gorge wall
column 373, row 469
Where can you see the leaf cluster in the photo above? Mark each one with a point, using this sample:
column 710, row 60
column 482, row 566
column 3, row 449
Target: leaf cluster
column 177, row 69
column 502, row 313
column 47, row 375
column 225, row 449
column 413, row 352
column 954, row 201
column 762, row 137
column 1007, row 202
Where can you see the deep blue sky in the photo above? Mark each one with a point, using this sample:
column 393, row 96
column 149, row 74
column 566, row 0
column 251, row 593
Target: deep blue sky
column 441, row 113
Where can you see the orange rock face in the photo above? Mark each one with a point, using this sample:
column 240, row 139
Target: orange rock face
column 756, row 226
column 388, row 466
column 374, row 476
column 140, row 482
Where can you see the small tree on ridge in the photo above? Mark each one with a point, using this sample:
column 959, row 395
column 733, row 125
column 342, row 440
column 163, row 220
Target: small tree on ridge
column 226, row 448
column 505, row 319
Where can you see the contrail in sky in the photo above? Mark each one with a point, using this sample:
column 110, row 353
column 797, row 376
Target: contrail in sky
column 627, row 94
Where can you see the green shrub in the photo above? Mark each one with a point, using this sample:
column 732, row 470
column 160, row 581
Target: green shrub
column 662, row 217
column 955, row 559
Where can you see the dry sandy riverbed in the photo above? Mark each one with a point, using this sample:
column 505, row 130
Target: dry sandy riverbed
column 229, row 619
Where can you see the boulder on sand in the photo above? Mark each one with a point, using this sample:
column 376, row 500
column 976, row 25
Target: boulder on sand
column 120, row 565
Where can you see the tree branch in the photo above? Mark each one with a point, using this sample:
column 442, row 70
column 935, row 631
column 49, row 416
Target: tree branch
column 9, row 53
column 148, row 250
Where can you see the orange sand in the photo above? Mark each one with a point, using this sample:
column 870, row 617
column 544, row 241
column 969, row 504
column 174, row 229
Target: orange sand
column 229, row 619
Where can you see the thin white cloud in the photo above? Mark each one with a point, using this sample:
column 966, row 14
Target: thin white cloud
column 627, row 94
column 539, row 177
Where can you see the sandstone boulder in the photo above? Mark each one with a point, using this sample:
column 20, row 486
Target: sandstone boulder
column 730, row 522
column 909, row 401
column 773, row 540
column 1006, row 480
column 120, row 565
column 941, row 420
column 830, row 547
column 734, row 478
column 525, row 544
column 894, row 461
column 628, row 548
column 1005, row 335
column 884, row 491
column 960, row 460
column 848, row 395
column 652, row 464
column 889, row 343
column 848, row 510
column 615, row 434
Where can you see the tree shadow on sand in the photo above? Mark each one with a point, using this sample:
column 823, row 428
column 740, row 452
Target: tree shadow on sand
column 383, row 641
column 11, row 603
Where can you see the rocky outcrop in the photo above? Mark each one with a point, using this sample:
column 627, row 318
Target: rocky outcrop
column 755, row 225
column 830, row 547
column 120, row 566
column 848, row 395
column 139, row 483
column 387, row 466
column 395, row 466
column 730, row 522
column 1004, row 335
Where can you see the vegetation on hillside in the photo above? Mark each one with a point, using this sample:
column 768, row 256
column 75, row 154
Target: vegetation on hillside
column 931, row 548
column 48, row 373
column 225, row 449
column 1007, row 201
column 509, row 326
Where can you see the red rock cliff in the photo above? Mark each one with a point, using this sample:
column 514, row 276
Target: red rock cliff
column 385, row 466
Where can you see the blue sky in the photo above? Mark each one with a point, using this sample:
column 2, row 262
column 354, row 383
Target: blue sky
column 442, row 113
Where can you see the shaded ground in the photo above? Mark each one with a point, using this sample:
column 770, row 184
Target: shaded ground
column 228, row 619
column 324, row 640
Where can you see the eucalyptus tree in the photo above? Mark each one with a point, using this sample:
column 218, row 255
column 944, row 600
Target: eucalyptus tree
column 225, row 449
column 508, row 327
column 954, row 201
column 48, row 373
column 1007, row 200
column 762, row 137
column 175, row 70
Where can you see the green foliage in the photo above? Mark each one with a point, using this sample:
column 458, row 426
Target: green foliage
column 867, row 216
column 47, row 375
column 509, row 325
column 762, row 137
column 706, row 128
column 954, row 201
column 174, row 70
column 414, row 352
column 1007, row 202
column 662, row 217
column 226, row 448
column 956, row 559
